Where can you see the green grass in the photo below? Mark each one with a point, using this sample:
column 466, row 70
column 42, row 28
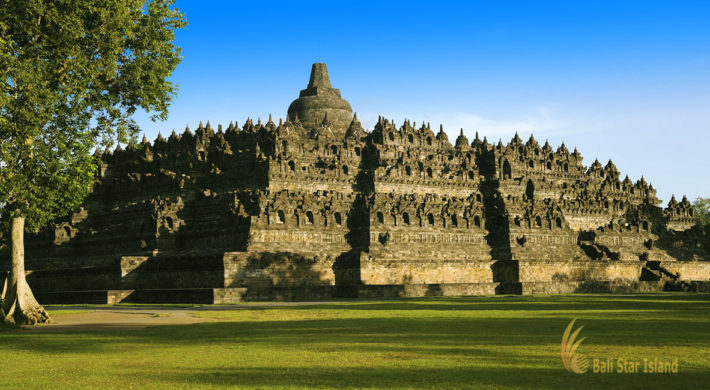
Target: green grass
column 64, row 312
column 496, row 342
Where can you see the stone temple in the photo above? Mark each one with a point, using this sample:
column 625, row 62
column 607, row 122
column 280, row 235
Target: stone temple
column 317, row 207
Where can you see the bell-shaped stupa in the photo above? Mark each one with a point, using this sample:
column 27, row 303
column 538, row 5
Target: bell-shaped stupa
column 318, row 99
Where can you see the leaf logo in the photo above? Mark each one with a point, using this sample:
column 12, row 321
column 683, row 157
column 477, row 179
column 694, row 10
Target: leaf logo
column 573, row 362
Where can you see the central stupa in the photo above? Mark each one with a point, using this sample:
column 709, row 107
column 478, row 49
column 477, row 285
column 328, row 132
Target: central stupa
column 321, row 105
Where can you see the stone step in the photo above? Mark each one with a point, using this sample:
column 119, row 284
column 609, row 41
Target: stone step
column 178, row 295
column 509, row 288
column 89, row 297
column 591, row 286
column 228, row 295
column 289, row 293
column 689, row 286
column 426, row 290
column 97, row 279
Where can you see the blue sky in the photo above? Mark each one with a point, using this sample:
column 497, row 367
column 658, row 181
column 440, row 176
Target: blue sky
column 628, row 81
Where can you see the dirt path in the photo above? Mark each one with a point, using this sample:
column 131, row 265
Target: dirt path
column 137, row 317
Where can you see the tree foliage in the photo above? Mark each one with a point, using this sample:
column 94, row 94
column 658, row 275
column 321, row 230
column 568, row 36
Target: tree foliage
column 701, row 210
column 72, row 73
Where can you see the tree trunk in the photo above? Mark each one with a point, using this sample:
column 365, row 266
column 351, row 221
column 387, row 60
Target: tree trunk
column 19, row 305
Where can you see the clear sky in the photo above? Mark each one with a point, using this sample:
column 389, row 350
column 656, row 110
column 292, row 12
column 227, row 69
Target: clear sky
column 626, row 80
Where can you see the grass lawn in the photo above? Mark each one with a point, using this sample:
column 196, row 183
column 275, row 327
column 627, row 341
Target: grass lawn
column 477, row 342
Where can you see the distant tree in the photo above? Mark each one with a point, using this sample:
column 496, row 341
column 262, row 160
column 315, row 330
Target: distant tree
column 701, row 210
column 72, row 73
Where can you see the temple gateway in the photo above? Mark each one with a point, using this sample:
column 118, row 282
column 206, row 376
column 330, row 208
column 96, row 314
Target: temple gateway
column 317, row 207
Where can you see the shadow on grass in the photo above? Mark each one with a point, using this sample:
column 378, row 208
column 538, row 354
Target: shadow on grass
column 660, row 301
column 457, row 344
column 424, row 378
column 422, row 335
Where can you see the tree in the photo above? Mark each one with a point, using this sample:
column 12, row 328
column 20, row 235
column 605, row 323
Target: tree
column 701, row 210
column 72, row 74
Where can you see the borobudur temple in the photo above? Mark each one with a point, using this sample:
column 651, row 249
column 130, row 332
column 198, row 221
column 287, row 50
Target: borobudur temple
column 317, row 207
